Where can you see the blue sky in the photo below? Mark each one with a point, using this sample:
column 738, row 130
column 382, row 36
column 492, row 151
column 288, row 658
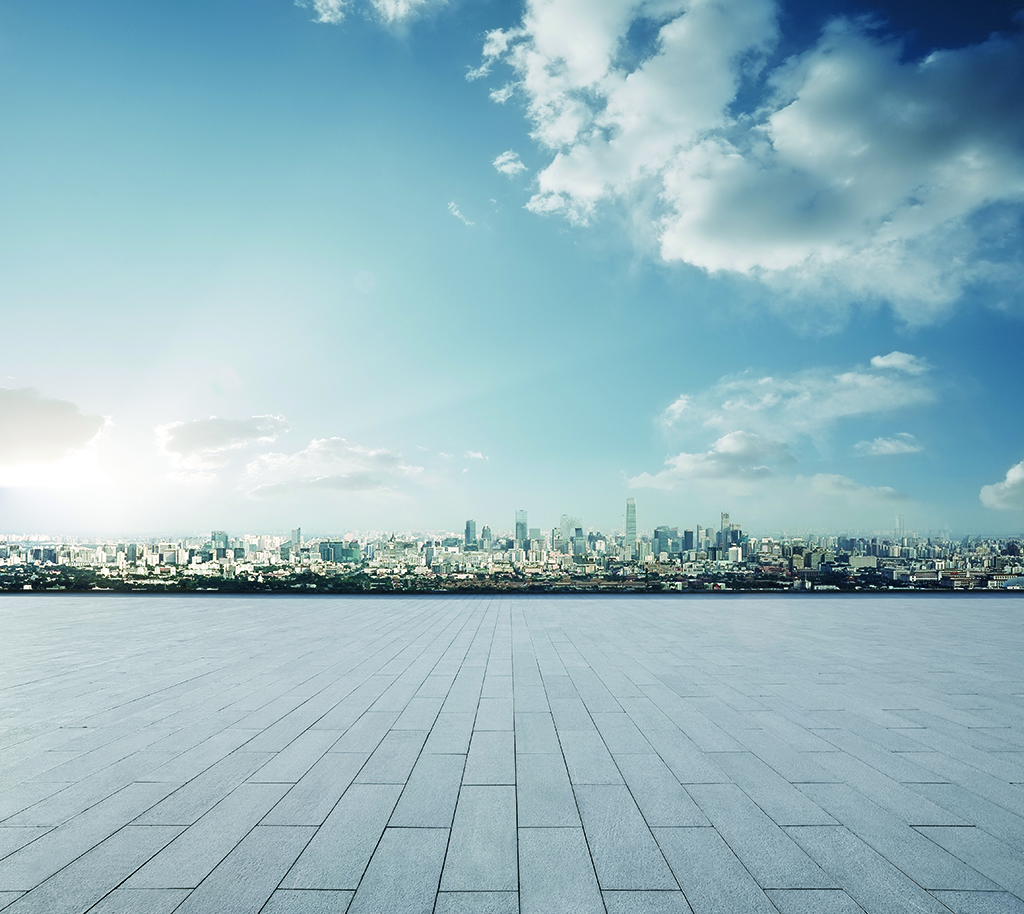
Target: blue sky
column 394, row 264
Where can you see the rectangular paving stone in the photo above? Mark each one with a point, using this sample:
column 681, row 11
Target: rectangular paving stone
column 587, row 759
column 312, row 797
column 624, row 851
column 709, row 874
column 491, row 758
column 981, row 902
column 477, row 903
column 295, row 759
column 393, row 759
column 535, row 732
column 430, row 794
column 243, row 882
column 87, row 879
column 772, row 857
column 482, row 853
column 556, row 874
column 308, row 901
column 133, row 901
column 1000, row 863
column 813, row 901
column 660, row 797
column 544, row 795
column 780, row 800
column 403, row 873
column 187, row 860
column 337, row 855
column 654, row 902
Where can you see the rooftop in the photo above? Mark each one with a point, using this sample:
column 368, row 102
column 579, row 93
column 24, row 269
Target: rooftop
column 806, row 755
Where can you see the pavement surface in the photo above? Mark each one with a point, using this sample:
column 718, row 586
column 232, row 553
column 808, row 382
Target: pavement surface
column 721, row 755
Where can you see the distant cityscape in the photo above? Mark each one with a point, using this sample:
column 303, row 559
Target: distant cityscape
column 569, row 557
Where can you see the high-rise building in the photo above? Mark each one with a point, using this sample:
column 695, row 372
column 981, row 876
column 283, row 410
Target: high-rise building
column 630, row 543
column 485, row 538
column 470, row 533
column 567, row 530
column 296, row 539
column 522, row 530
column 688, row 541
column 219, row 539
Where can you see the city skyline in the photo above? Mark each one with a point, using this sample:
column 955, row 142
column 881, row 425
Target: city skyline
column 396, row 265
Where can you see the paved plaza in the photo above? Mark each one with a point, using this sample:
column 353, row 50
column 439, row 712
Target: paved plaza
column 461, row 755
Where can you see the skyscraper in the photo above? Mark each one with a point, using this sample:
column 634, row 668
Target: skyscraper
column 470, row 533
column 522, row 531
column 630, row 543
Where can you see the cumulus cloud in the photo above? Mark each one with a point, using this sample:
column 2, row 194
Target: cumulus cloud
column 327, row 464
column 508, row 163
column 855, row 174
column 804, row 403
column 202, row 444
column 903, row 443
column 737, row 456
column 900, row 361
column 1007, row 495
column 834, row 485
column 37, row 429
column 389, row 12
column 454, row 210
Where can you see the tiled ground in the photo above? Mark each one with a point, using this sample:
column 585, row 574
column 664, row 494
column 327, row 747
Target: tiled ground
column 487, row 754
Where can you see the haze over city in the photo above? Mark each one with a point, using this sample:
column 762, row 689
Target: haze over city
column 393, row 264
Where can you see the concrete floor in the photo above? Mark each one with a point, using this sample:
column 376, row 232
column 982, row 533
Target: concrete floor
column 807, row 755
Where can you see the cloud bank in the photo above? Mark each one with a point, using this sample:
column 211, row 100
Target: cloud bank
column 389, row 12
column 846, row 172
column 327, row 464
column 203, row 444
column 37, row 429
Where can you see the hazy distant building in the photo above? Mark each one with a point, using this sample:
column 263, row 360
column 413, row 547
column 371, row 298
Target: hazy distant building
column 485, row 538
column 688, row 541
column 630, row 542
column 296, row 539
column 522, row 530
column 470, row 538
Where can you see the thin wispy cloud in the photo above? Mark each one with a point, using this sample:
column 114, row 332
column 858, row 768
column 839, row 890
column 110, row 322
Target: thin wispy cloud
column 903, row 443
column 457, row 213
column 388, row 12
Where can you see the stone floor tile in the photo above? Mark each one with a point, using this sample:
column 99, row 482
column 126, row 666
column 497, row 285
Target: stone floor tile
column 482, row 853
column 657, row 902
column 337, row 855
column 429, row 797
column 709, row 874
column 661, row 798
column 190, row 857
column 403, row 873
column 312, row 797
column 535, row 732
column 587, row 759
column 981, row 902
column 813, row 901
column 307, row 901
column 136, row 901
column 491, row 758
column 556, row 874
column 544, row 794
column 624, row 851
column 1008, row 827
column 989, row 856
column 295, row 759
column 394, row 758
column 243, row 881
column 477, row 903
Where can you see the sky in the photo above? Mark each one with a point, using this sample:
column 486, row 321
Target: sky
column 392, row 264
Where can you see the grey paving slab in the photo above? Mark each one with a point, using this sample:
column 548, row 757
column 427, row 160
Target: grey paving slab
column 482, row 853
column 403, row 873
column 624, row 851
column 981, row 902
column 491, row 758
column 544, row 795
column 556, row 874
column 88, row 878
column 477, row 903
column 780, row 800
column 190, row 857
column 712, row 878
column 1002, row 864
column 429, row 797
column 244, row 881
column 133, row 901
column 813, row 901
column 661, row 798
column 535, row 732
column 654, row 902
column 394, row 758
column 337, row 855
column 307, row 901
column 313, row 796
column 587, row 759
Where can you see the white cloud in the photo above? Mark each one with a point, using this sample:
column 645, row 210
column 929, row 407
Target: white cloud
column 202, row 444
column 834, row 485
column 1007, row 495
column 508, row 163
column 454, row 210
column 801, row 404
column 857, row 175
column 903, row 443
column 476, row 455
column 330, row 12
column 900, row 361
column 36, row 429
column 502, row 94
column 327, row 464
column 389, row 12
column 738, row 456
